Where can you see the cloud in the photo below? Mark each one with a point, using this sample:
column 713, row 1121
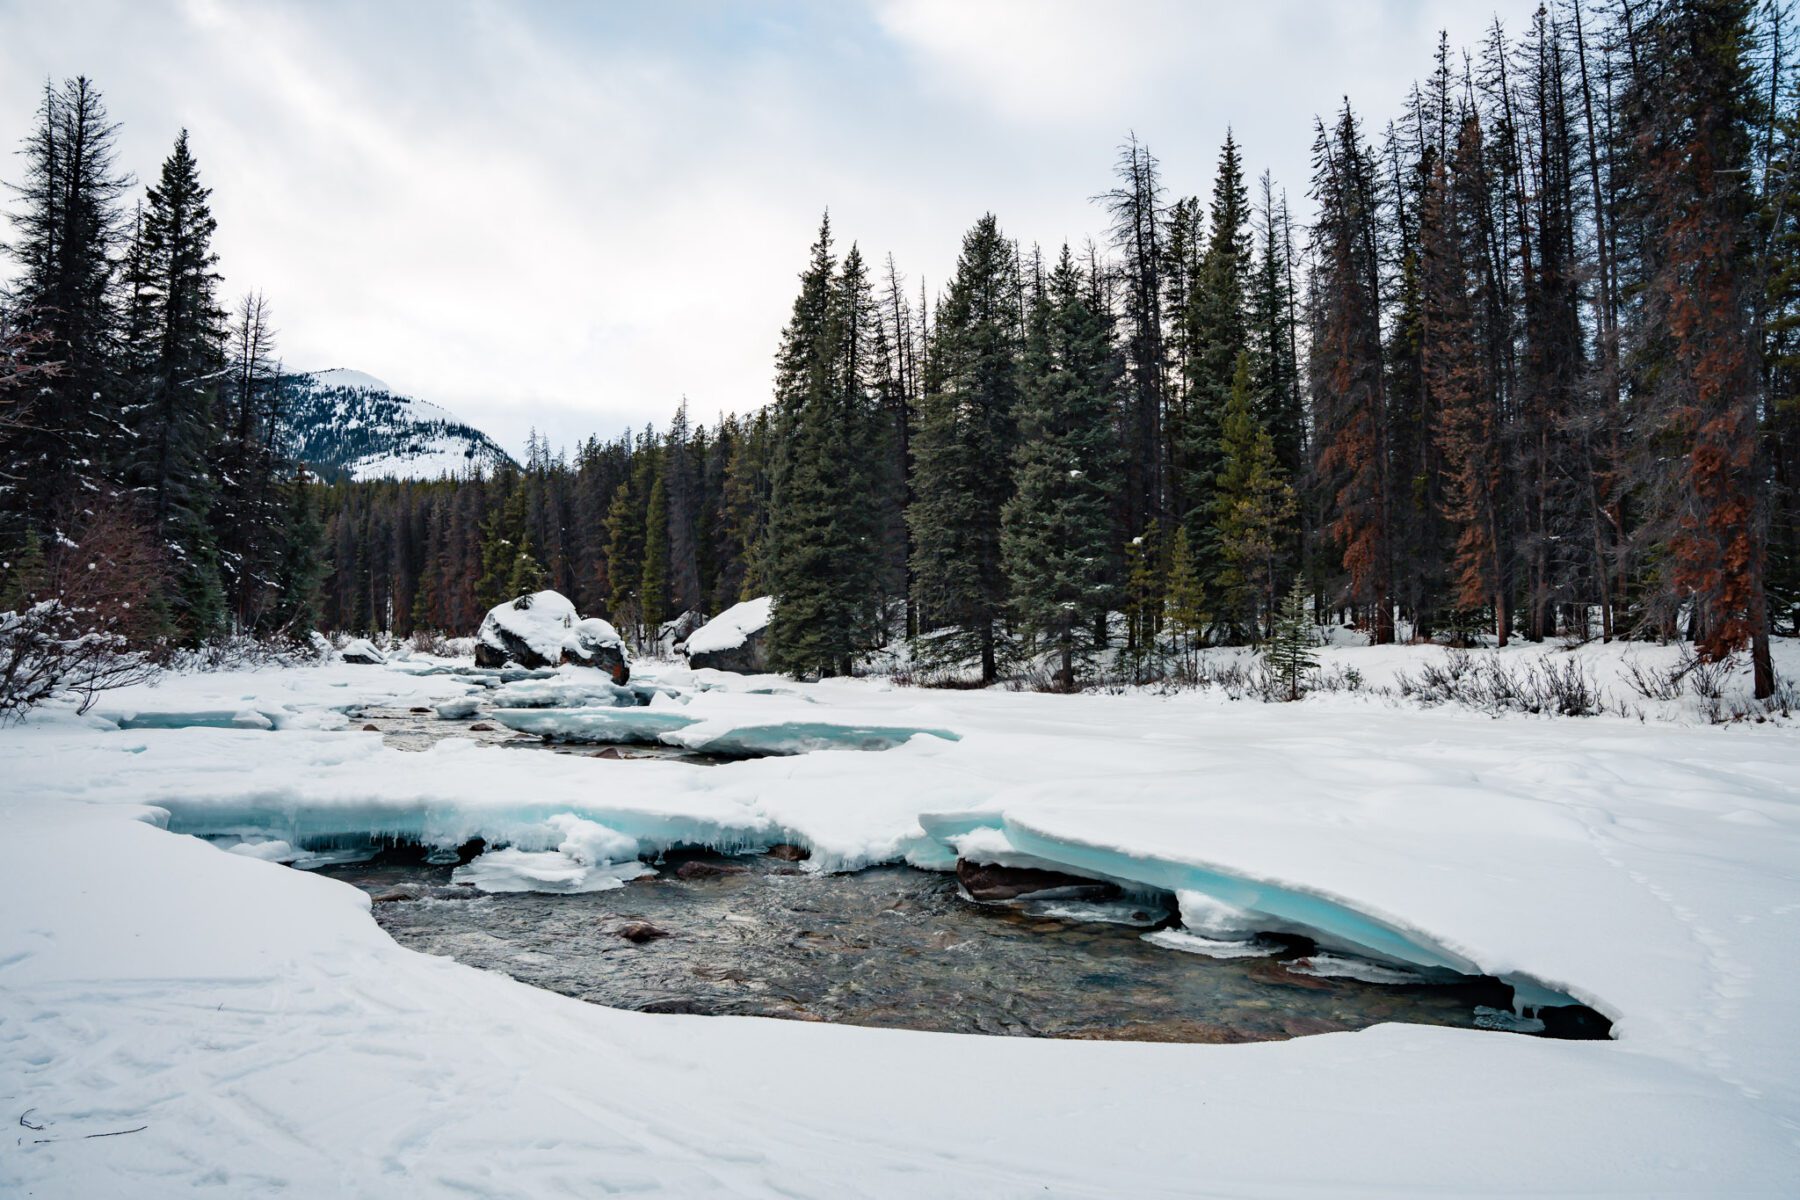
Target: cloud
column 570, row 216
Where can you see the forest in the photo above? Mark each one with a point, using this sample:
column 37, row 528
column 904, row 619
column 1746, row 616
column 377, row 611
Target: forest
column 1529, row 368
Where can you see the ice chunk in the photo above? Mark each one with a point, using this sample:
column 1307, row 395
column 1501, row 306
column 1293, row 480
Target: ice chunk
column 566, row 691
column 609, row 725
column 1193, row 943
column 251, row 719
column 591, row 858
column 1210, row 917
column 1097, row 912
column 269, row 851
column 1338, row 966
column 459, row 709
column 802, row 737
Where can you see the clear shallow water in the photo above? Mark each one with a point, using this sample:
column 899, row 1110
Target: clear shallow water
column 889, row 946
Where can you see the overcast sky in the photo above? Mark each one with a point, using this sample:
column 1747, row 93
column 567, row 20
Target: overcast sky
column 570, row 215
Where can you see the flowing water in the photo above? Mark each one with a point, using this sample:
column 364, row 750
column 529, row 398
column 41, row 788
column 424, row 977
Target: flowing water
column 887, row 946
column 895, row 947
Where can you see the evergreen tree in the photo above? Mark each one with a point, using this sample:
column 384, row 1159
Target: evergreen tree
column 653, row 589
column 624, row 557
column 1184, row 605
column 174, row 422
column 961, row 446
column 62, row 432
column 1253, row 509
column 1217, row 336
column 1691, row 121
column 1057, row 527
column 1349, row 393
column 822, row 558
column 299, row 566
column 1288, row 654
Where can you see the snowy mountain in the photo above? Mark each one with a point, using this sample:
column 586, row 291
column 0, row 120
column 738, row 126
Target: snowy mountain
column 354, row 422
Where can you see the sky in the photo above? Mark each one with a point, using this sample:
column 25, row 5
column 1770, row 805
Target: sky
column 569, row 216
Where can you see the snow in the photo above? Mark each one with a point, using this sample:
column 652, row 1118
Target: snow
column 267, row 1036
column 731, row 628
column 343, row 377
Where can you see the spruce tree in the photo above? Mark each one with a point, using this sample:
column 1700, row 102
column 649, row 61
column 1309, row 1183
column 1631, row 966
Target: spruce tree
column 822, row 556
column 62, row 433
column 962, row 446
column 1288, row 654
column 175, row 423
column 1057, row 527
column 1184, row 603
column 624, row 556
column 1253, row 510
column 653, row 587
column 1217, row 333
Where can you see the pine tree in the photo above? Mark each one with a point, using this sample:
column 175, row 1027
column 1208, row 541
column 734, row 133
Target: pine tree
column 1057, row 527
column 653, row 589
column 961, row 446
column 1349, row 394
column 1217, row 336
column 299, row 567
column 1185, row 612
column 62, row 432
column 624, row 557
column 1288, row 655
column 822, row 558
column 1462, row 395
column 1692, row 125
column 175, row 423
column 1136, row 207
column 1253, row 510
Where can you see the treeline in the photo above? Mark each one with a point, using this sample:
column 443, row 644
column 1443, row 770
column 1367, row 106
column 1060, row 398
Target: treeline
column 1531, row 370
column 141, row 444
column 640, row 528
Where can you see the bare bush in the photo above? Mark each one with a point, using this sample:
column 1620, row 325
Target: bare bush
column 75, row 613
column 1565, row 688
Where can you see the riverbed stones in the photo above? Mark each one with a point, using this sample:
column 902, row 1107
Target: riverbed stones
column 990, row 881
column 704, row 870
column 639, row 932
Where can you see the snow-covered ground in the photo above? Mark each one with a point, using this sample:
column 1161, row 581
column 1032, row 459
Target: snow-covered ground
column 257, row 1032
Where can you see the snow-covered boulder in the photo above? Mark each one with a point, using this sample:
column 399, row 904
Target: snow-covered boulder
column 595, row 643
column 734, row 640
column 362, row 650
column 544, row 630
column 528, row 631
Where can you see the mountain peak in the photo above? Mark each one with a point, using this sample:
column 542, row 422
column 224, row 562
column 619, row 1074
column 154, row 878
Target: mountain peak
column 348, row 420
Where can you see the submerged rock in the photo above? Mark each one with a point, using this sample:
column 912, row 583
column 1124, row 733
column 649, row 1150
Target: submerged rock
column 706, row 870
column 990, row 881
column 481, row 727
column 640, row 932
